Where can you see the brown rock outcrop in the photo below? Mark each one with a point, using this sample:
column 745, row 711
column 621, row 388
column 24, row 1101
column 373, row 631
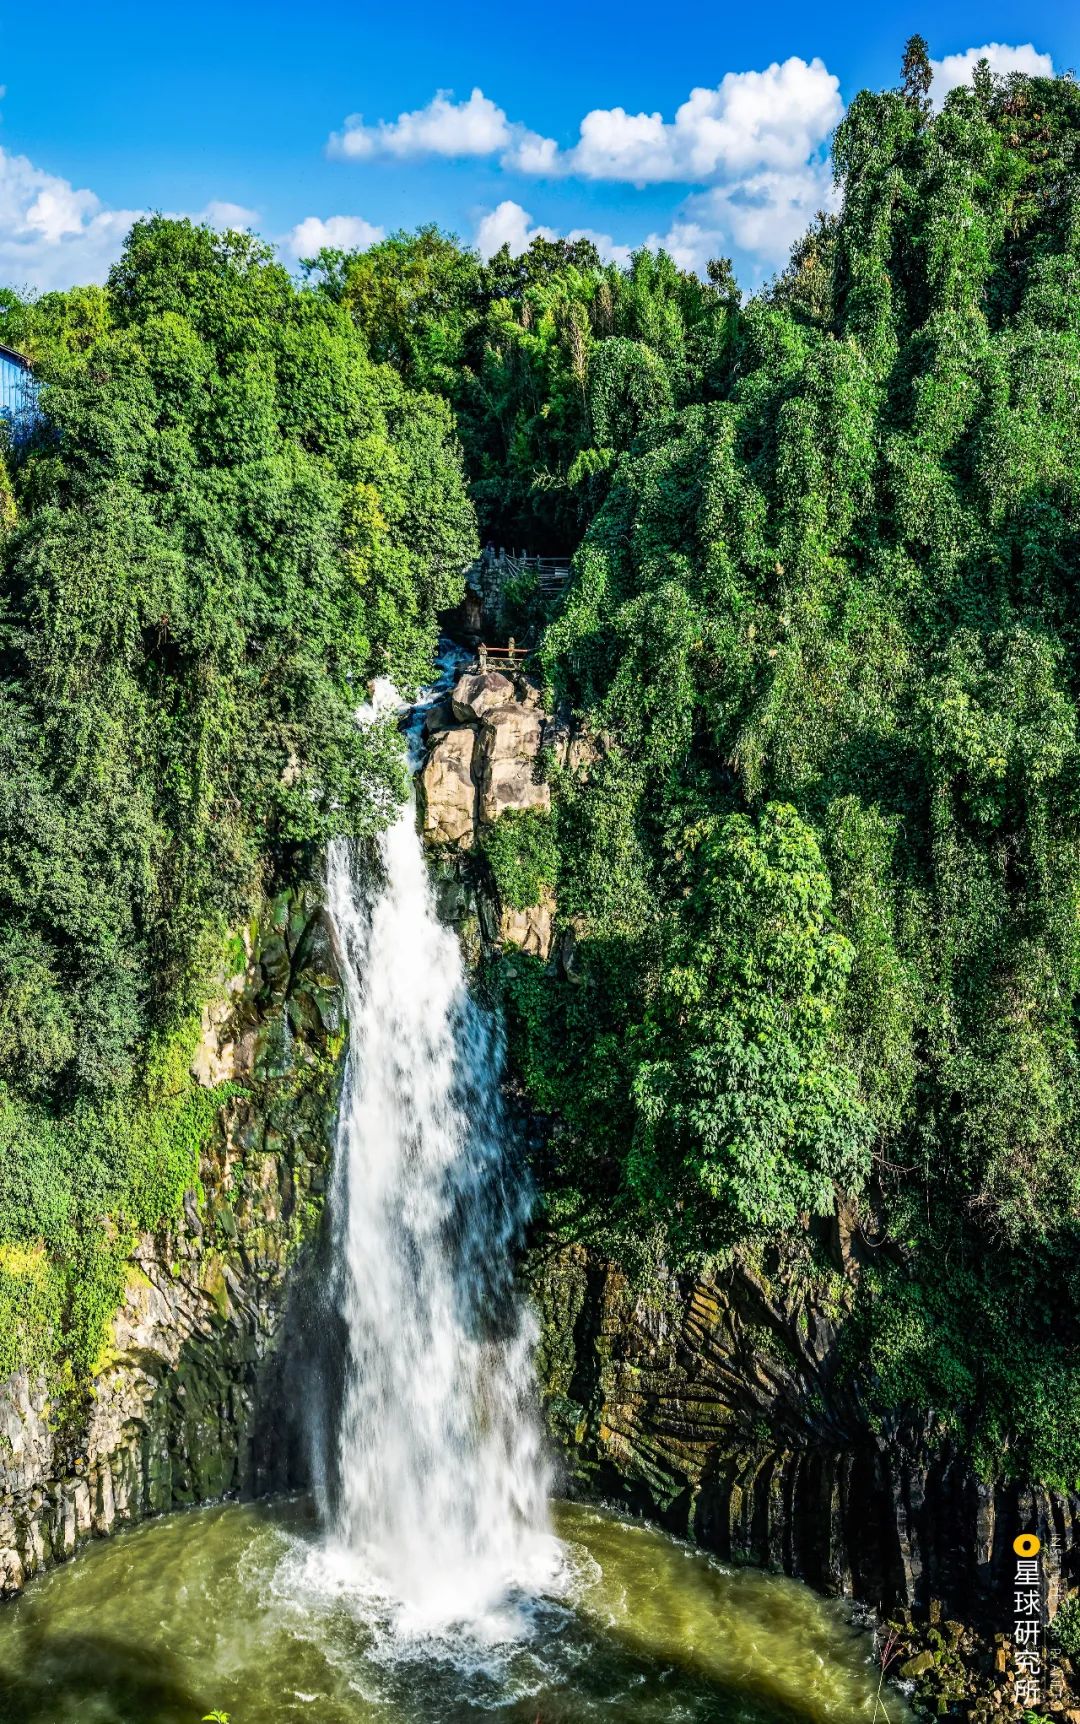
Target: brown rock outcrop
column 483, row 755
column 531, row 930
column 481, row 692
column 448, row 789
column 485, row 745
column 509, row 748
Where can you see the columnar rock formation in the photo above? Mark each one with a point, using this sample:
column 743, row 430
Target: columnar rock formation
column 720, row 1406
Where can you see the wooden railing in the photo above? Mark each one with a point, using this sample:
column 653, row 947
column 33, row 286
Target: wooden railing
column 500, row 657
column 488, row 577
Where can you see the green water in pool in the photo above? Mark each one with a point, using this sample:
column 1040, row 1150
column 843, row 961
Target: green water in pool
column 243, row 1607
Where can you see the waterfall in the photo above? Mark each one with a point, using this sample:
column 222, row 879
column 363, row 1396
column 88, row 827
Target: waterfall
column 439, row 1480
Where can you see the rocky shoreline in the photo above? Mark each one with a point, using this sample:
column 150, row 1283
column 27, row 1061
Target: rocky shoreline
column 953, row 1671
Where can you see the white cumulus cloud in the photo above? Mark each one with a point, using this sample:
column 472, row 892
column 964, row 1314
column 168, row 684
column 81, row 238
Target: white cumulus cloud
column 764, row 213
column 340, row 232
column 763, row 216
column 610, row 250
column 687, row 243
column 443, row 128
column 221, row 214
column 957, row 68
column 511, row 225
column 530, row 153
column 776, row 119
column 457, row 130
column 508, row 224
column 53, row 234
column 755, row 146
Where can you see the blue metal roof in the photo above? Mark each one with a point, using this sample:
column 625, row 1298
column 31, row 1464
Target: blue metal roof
column 18, row 393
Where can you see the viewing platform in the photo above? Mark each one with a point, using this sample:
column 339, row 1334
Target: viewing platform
column 509, row 657
column 507, row 590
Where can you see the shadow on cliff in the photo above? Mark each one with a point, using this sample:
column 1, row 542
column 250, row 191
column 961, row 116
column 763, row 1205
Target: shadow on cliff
column 96, row 1680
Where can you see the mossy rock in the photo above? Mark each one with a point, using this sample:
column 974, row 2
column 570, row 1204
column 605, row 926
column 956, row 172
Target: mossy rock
column 917, row 1666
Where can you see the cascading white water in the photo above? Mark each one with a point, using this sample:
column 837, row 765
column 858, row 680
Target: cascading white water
column 441, row 1485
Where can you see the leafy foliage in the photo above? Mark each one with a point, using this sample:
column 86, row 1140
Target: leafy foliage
column 554, row 362
column 232, row 520
column 739, row 1081
column 818, row 888
column 523, row 855
column 823, row 883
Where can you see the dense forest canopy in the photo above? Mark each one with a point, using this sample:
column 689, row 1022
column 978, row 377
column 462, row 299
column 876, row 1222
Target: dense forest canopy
column 231, row 518
column 826, row 877
column 823, row 878
column 554, row 363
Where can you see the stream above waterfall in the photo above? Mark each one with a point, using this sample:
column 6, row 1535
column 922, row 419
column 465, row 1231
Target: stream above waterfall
column 242, row 1607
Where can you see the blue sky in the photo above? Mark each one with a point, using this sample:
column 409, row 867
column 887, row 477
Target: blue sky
column 248, row 113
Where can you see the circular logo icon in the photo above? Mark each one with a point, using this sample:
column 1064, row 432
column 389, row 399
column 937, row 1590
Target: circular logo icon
column 1027, row 1544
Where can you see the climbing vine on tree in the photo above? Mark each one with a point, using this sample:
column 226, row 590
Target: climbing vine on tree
column 822, row 884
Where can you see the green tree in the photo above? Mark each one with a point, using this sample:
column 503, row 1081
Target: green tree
column 839, row 577
column 917, row 74
column 741, row 1083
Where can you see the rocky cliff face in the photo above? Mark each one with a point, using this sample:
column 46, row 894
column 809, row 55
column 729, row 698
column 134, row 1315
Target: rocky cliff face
column 182, row 1407
column 485, row 739
column 722, row 1408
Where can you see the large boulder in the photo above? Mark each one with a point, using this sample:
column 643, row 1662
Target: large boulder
column 531, row 930
column 509, row 745
column 439, row 716
column 449, row 793
column 479, row 693
column 529, row 692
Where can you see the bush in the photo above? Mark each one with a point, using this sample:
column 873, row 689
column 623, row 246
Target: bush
column 520, row 849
